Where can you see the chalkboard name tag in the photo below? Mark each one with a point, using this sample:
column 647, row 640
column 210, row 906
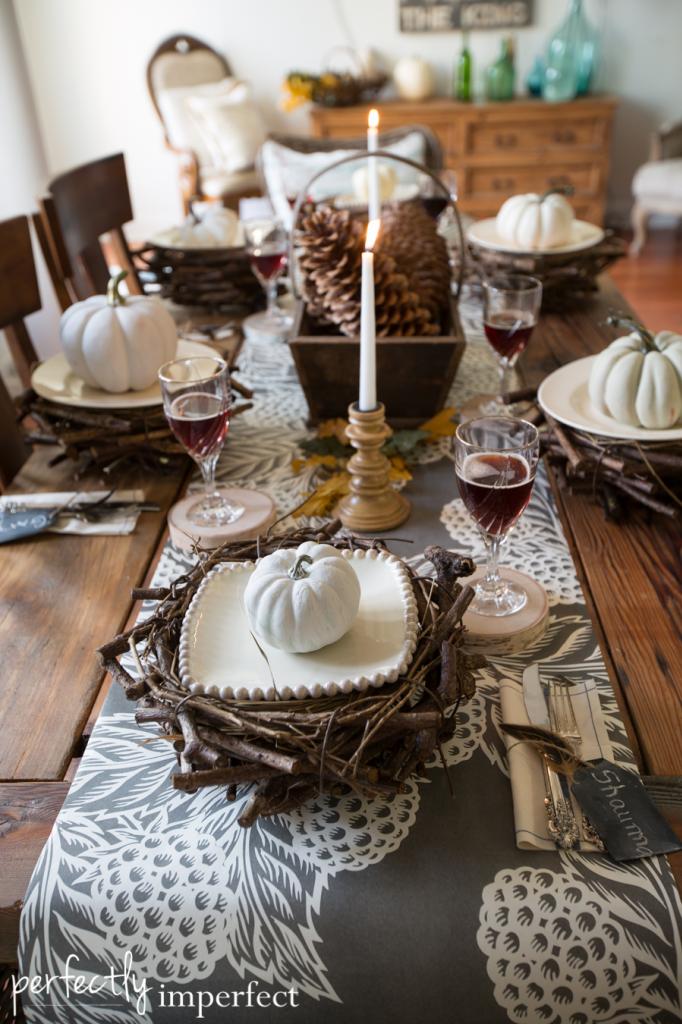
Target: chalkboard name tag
column 621, row 811
column 25, row 523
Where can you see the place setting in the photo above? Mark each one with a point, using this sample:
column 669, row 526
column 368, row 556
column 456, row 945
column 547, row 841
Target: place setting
column 338, row 524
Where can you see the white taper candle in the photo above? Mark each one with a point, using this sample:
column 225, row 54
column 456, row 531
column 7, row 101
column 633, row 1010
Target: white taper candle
column 373, row 202
column 368, row 339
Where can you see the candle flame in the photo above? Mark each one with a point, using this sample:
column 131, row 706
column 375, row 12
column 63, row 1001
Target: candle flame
column 372, row 232
column 373, row 118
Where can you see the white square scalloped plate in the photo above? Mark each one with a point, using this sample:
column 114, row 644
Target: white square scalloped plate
column 219, row 656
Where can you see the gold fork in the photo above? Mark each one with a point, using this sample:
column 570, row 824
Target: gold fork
column 563, row 722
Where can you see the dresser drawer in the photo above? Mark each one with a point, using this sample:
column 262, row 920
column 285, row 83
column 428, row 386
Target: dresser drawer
column 507, row 181
column 533, row 136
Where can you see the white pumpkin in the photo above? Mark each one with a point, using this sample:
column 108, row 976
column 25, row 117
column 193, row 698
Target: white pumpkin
column 208, row 226
column 638, row 379
column 535, row 221
column 387, row 182
column 413, row 78
column 115, row 342
column 302, row 598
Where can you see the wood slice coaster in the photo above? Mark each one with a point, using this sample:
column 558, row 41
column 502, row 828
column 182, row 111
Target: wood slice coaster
column 508, row 634
column 259, row 514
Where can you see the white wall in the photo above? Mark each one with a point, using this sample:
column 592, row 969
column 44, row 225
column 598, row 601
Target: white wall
column 87, row 61
column 23, row 169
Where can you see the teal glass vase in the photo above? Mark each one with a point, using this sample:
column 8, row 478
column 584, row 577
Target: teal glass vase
column 500, row 77
column 571, row 57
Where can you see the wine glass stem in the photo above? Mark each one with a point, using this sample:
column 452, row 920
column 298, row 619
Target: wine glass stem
column 207, row 467
column 271, row 294
column 492, row 580
column 504, row 371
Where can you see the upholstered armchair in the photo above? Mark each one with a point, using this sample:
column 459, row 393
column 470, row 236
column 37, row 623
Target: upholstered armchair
column 657, row 185
column 208, row 119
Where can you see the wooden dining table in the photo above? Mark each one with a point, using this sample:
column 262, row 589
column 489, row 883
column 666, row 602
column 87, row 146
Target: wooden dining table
column 63, row 596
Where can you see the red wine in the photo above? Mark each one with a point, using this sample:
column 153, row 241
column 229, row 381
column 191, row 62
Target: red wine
column 508, row 333
column 200, row 422
column 495, row 488
column 268, row 264
column 434, row 205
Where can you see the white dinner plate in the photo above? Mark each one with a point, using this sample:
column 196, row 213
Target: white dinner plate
column 583, row 236
column 55, row 380
column 220, row 657
column 564, row 396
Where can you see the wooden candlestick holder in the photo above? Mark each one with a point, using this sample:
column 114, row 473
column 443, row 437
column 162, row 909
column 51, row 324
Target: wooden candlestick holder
column 372, row 505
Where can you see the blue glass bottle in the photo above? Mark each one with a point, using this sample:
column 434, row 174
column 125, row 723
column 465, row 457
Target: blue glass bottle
column 571, row 57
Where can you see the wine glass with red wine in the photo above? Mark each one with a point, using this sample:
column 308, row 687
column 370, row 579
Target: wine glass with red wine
column 495, row 462
column 267, row 246
column 511, row 306
column 197, row 399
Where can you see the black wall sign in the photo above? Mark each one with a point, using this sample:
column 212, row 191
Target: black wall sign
column 446, row 15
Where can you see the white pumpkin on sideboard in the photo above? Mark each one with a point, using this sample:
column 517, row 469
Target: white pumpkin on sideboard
column 533, row 221
column 116, row 342
column 413, row 78
column 303, row 598
column 638, row 379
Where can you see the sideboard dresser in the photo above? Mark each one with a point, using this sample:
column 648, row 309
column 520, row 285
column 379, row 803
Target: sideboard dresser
column 498, row 149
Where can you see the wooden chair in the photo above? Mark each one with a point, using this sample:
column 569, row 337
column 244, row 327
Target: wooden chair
column 19, row 297
column 304, row 144
column 80, row 207
column 182, row 61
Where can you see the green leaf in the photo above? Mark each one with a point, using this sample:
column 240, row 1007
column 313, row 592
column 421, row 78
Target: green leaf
column 326, row 446
column 404, row 442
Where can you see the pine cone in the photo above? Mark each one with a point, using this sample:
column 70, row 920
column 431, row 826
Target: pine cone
column 329, row 245
column 410, row 235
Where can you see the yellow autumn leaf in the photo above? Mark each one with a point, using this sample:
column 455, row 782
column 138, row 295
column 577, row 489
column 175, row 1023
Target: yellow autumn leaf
column 441, row 425
column 298, row 465
column 398, row 470
column 334, row 428
column 323, row 499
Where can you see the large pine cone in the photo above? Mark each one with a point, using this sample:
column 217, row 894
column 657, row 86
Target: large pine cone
column 329, row 245
column 409, row 234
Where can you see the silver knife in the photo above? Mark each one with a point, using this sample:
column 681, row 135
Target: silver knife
column 561, row 821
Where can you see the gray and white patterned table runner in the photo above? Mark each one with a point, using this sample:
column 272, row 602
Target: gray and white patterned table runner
column 415, row 909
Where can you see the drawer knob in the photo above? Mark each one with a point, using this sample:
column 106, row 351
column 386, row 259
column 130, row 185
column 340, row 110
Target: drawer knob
column 505, row 141
column 566, row 136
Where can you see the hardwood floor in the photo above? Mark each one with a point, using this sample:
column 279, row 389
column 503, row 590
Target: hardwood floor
column 652, row 281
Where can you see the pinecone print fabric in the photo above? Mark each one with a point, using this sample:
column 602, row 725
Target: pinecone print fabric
column 165, row 886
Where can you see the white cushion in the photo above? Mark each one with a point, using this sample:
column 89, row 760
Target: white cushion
column 231, row 126
column 287, row 172
column 181, row 124
column 661, row 179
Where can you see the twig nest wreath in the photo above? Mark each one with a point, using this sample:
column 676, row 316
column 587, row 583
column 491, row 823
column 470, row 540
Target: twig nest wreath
column 302, row 599
column 638, row 379
column 118, row 342
column 533, row 221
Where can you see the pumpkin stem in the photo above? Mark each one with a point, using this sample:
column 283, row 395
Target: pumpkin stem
column 299, row 571
column 114, row 297
column 558, row 190
column 620, row 320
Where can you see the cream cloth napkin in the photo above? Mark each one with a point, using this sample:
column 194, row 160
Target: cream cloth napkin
column 525, row 768
column 115, row 524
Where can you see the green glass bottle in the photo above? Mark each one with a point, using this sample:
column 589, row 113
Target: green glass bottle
column 462, row 89
column 500, row 77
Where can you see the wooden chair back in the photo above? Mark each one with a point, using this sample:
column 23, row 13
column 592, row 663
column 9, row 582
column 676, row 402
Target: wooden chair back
column 182, row 60
column 19, row 297
column 82, row 205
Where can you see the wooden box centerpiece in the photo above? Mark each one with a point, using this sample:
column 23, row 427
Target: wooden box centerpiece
column 414, row 374
column 419, row 338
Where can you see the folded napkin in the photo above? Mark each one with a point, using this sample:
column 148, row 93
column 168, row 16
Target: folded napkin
column 116, row 522
column 525, row 767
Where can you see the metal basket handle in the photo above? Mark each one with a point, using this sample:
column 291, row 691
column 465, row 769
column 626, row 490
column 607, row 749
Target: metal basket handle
column 363, row 155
